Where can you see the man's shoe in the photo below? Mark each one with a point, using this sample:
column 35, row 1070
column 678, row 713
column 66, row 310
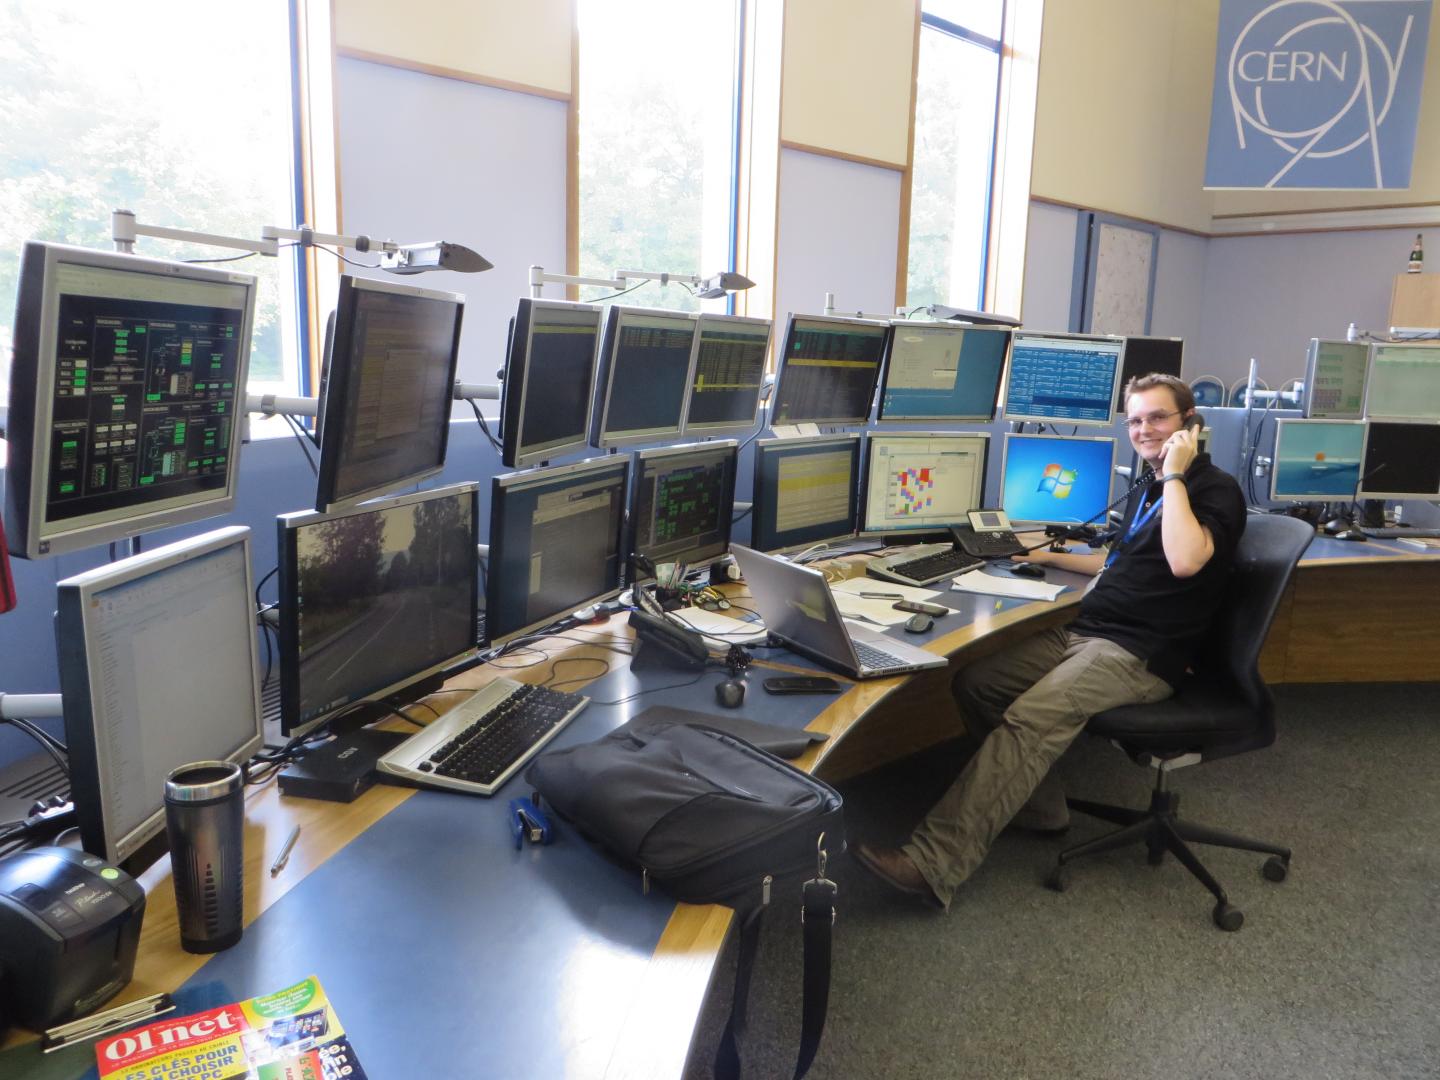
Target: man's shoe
column 893, row 866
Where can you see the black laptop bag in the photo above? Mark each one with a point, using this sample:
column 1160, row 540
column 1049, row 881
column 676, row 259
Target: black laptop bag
column 710, row 818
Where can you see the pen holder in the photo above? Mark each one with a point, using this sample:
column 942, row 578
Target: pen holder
column 205, row 824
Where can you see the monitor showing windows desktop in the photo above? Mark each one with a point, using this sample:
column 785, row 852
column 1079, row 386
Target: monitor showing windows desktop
column 1402, row 461
column 549, row 380
column 939, row 371
column 644, row 373
column 1335, row 379
column 1316, row 460
column 556, row 543
column 386, row 389
column 728, row 373
column 806, row 491
column 1403, row 382
column 373, row 600
column 127, row 378
column 157, row 657
column 682, row 500
column 828, row 369
column 921, row 481
column 1056, row 479
column 1147, row 356
column 1062, row 378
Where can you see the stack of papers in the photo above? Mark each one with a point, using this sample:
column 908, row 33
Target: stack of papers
column 1003, row 584
column 879, row 612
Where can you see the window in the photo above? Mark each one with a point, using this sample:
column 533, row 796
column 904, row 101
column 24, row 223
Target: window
column 955, row 115
column 657, row 111
column 181, row 112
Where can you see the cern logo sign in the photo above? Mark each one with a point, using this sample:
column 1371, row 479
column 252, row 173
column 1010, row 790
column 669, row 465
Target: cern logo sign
column 1316, row 93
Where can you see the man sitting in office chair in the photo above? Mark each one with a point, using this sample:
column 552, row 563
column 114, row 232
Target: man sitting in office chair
column 1139, row 624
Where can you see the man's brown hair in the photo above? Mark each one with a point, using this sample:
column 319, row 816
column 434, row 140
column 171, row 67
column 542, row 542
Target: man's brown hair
column 1179, row 388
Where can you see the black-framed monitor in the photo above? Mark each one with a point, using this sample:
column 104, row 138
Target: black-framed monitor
column 682, row 499
column 374, row 599
column 828, row 368
column 1145, row 356
column 1316, row 460
column 386, row 388
column 643, row 376
column 1403, row 382
column 557, row 543
column 158, row 668
column 1062, row 378
column 920, row 482
column 941, row 371
column 1402, row 460
column 549, row 380
column 728, row 374
column 1056, row 479
column 127, row 381
column 1335, row 379
column 807, row 491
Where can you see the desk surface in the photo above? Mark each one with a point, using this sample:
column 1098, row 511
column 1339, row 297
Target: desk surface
column 460, row 957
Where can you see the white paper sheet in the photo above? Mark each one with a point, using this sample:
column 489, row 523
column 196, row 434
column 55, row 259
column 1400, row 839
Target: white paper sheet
column 987, row 584
column 878, row 612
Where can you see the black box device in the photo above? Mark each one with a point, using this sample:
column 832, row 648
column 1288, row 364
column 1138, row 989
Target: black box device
column 69, row 928
column 342, row 769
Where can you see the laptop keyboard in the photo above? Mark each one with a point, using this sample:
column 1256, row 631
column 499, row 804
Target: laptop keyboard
column 876, row 659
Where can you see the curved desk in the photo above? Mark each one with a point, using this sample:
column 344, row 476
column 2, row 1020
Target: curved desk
column 448, row 952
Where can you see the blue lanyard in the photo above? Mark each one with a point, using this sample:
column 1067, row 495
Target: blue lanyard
column 1138, row 522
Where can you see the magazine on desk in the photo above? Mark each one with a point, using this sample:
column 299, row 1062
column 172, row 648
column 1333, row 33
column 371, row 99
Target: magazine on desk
column 292, row 1034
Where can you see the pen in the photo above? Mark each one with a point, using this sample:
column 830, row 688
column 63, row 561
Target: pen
column 284, row 856
column 881, row 596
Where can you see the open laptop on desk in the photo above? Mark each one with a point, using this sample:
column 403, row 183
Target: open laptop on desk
column 799, row 610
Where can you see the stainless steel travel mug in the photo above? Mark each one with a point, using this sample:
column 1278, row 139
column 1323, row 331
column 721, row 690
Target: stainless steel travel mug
column 205, row 824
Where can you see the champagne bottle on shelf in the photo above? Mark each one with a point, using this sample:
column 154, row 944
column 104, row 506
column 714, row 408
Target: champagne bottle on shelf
column 1417, row 257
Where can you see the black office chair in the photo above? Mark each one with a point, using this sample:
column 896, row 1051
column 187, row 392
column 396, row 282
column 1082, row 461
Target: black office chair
column 1222, row 708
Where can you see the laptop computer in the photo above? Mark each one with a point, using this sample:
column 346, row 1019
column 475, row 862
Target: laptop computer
column 798, row 608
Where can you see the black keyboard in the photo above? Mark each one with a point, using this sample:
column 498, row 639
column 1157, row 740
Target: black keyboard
column 1395, row 532
column 876, row 659
column 927, row 568
column 480, row 744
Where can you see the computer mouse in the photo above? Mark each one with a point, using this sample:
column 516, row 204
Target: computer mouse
column 919, row 623
column 1027, row 569
column 730, row 693
column 1351, row 533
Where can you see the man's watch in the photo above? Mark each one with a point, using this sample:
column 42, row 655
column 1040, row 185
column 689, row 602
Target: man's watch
column 1172, row 476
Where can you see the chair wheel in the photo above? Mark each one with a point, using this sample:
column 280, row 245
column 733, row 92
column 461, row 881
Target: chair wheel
column 1056, row 879
column 1227, row 917
column 1275, row 868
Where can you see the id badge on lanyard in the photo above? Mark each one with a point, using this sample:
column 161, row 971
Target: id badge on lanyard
column 1138, row 522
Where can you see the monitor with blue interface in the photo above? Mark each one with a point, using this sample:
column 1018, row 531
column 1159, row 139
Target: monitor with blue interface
column 549, row 380
column 682, row 500
column 806, row 491
column 728, row 374
column 1062, row 378
column 1402, row 461
column 1147, row 356
column 828, row 370
column 1056, row 479
column 935, row 371
column 1335, row 379
column 921, row 481
column 644, row 373
column 1316, row 460
column 1404, row 383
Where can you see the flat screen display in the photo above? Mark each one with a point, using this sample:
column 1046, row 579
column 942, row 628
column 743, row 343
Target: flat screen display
column 1056, row 479
column 1316, row 460
column 1062, row 378
column 828, row 370
column 939, row 372
column 922, row 481
column 806, row 491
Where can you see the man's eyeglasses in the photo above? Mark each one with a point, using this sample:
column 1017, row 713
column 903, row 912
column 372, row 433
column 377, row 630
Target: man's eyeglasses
column 1154, row 419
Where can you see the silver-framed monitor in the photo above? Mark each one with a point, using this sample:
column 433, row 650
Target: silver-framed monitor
column 942, row 371
column 1316, row 460
column 549, row 384
column 728, row 373
column 1403, row 382
column 643, row 375
column 1062, row 378
column 1402, row 460
column 828, row 368
column 682, row 501
column 807, row 491
column 1056, row 479
column 158, row 668
column 1335, row 375
column 918, row 482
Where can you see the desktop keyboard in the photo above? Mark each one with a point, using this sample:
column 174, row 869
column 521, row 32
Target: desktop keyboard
column 482, row 742
column 1396, row 532
column 923, row 565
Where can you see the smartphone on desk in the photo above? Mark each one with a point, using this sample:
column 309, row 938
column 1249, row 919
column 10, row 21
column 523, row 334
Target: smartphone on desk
column 920, row 608
column 801, row 684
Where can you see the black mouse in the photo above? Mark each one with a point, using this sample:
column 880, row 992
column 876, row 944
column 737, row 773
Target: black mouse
column 1027, row 569
column 1351, row 533
column 730, row 693
column 919, row 623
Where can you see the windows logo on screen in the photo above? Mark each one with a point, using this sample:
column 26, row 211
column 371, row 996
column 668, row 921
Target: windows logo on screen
column 1056, row 481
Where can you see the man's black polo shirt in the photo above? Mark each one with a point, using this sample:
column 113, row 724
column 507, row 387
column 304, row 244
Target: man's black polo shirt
column 1144, row 608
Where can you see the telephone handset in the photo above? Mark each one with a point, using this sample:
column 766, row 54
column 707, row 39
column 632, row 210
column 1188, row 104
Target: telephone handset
column 1194, row 422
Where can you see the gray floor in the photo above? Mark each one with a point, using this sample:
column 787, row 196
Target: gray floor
column 1336, row 972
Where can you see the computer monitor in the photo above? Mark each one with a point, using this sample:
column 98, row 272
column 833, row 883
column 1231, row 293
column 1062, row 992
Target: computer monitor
column 1056, row 479
column 645, row 359
column 127, row 379
column 557, row 541
column 1335, row 379
column 806, row 491
column 682, row 499
column 1404, row 383
column 921, row 481
column 549, row 380
column 1316, row 460
column 1402, row 461
column 158, row 668
column 940, row 371
column 729, row 372
column 1146, row 356
column 374, row 599
column 828, row 369
column 386, row 389
column 1062, row 378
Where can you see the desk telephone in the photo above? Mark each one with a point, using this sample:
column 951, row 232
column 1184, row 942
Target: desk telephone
column 987, row 535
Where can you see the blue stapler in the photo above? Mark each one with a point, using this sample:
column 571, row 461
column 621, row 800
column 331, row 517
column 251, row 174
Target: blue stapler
column 529, row 822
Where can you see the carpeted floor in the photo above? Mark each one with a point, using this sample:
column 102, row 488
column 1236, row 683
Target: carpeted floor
column 1336, row 972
